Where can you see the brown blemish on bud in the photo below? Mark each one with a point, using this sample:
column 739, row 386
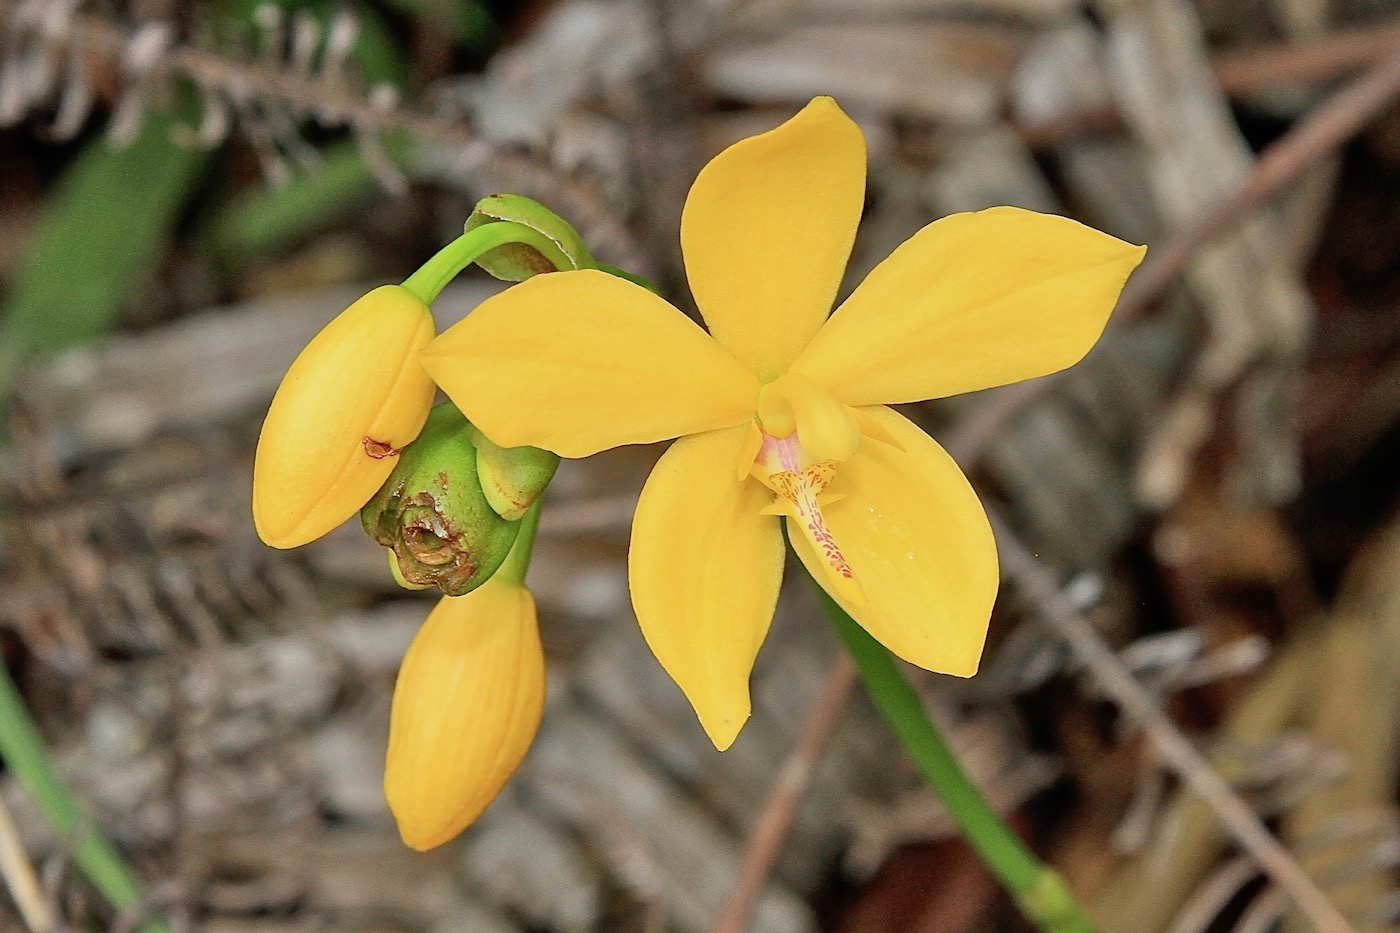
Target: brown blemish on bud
column 378, row 450
column 430, row 550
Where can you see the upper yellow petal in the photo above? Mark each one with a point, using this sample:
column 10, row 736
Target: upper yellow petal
column 969, row 302
column 577, row 362
column 350, row 401
column 918, row 542
column 466, row 707
column 767, row 230
column 705, row 567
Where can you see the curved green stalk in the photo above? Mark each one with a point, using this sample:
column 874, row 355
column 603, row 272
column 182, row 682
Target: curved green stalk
column 1037, row 888
column 24, row 753
column 631, row 277
column 517, row 562
column 432, row 277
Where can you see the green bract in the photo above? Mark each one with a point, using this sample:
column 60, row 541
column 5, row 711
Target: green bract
column 512, row 478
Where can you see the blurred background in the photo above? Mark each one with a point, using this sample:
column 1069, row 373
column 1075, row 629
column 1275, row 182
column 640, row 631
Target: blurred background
column 1201, row 538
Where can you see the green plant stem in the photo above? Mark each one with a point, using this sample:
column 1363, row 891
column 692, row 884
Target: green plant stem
column 517, row 562
column 24, row 753
column 432, row 277
column 1038, row 889
column 631, row 277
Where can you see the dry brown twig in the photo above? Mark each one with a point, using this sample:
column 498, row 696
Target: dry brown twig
column 21, row 879
column 1174, row 748
column 1330, row 125
column 1243, row 73
column 1315, row 61
column 784, row 794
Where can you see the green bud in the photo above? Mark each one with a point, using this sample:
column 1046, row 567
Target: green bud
column 516, row 262
column 512, row 478
column 433, row 514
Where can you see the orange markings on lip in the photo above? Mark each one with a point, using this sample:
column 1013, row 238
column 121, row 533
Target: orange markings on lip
column 786, row 468
column 378, row 450
column 802, row 489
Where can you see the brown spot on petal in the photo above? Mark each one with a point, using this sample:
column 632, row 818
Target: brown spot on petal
column 378, row 450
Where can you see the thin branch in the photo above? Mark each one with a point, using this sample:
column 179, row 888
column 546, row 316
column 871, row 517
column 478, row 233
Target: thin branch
column 1241, row 73
column 309, row 96
column 461, row 152
column 21, row 879
column 1175, row 749
column 1309, row 61
column 784, row 794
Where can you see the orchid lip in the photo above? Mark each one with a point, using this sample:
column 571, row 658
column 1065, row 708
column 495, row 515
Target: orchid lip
column 800, row 483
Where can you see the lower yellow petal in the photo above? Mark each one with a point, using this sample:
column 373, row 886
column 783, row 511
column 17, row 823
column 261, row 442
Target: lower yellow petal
column 351, row 400
column 969, row 302
column 577, row 362
column 705, row 567
column 918, row 542
column 466, row 707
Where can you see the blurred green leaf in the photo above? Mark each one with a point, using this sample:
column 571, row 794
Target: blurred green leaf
column 108, row 222
column 105, row 226
column 263, row 221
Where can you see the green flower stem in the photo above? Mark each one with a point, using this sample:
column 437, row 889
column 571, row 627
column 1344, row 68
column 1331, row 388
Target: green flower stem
column 1039, row 890
column 23, row 752
column 432, row 277
column 631, row 277
column 517, row 562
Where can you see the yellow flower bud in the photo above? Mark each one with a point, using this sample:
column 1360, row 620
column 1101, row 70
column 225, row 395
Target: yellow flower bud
column 350, row 402
column 466, row 708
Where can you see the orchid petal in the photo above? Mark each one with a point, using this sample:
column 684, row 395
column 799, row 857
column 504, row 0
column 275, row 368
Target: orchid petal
column 352, row 399
column 705, row 567
column 918, row 543
column 578, row 362
column 969, row 302
column 766, row 232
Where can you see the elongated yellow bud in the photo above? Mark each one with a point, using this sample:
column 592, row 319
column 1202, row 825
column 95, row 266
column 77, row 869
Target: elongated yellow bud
column 466, row 707
column 350, row 402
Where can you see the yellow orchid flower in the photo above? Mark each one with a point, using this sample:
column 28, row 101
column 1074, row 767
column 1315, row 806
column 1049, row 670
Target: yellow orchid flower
column 466, row 707
column 352, row 399
column 780, row 409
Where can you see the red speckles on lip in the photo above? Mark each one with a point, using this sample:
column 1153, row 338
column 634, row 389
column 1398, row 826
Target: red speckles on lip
column 378, row 450
column 802, row 490
column 784, row 467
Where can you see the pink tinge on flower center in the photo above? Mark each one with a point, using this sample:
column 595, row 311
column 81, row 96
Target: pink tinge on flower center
column 800, row 483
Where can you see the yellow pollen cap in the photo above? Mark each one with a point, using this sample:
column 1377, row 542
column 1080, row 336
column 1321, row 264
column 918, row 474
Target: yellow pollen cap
column 826, row 429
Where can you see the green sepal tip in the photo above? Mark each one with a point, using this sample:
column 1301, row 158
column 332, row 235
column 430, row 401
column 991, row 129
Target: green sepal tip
column 512, row 478
column 516, row 262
